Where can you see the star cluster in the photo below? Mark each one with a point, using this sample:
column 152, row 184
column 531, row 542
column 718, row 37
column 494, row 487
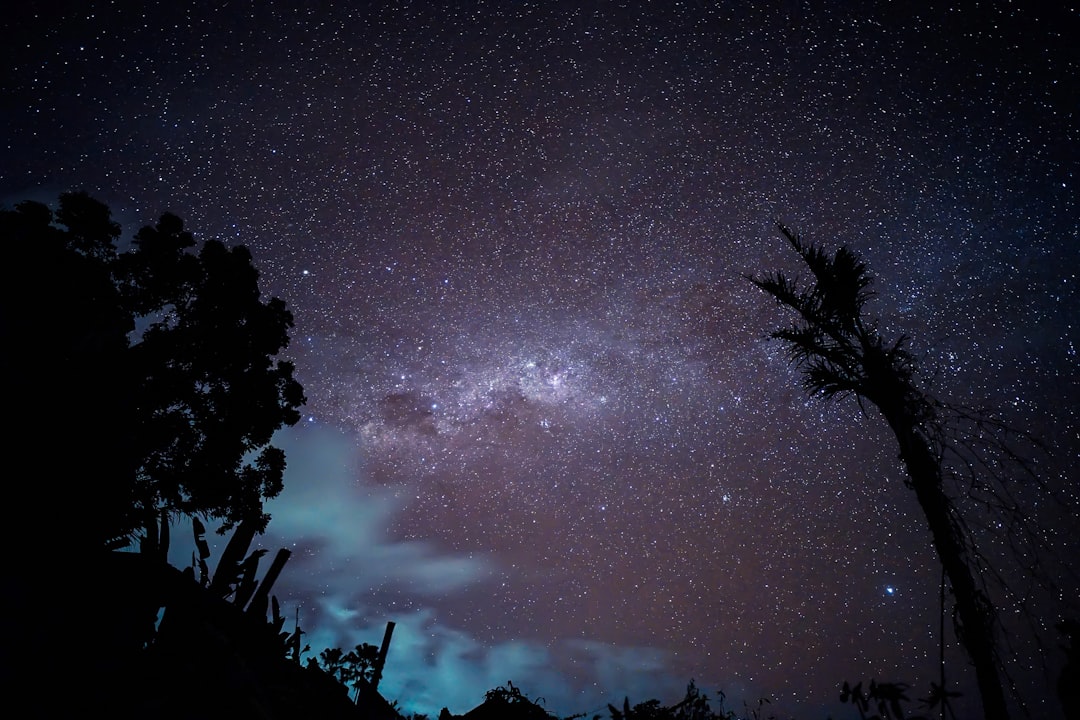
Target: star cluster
column 547, row 432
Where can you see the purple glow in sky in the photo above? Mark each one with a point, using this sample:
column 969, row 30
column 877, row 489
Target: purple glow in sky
column 547, row 433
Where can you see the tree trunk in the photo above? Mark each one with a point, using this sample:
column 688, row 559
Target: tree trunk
column 976, row 631
column 839, row 354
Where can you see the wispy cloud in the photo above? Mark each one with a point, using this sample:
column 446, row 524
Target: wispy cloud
column 349, row 576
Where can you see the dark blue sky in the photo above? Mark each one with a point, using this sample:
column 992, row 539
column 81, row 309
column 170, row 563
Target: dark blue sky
column 546, row 431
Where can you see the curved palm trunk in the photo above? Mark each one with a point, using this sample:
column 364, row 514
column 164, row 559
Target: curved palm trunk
column 976, row 626
column 841, row 355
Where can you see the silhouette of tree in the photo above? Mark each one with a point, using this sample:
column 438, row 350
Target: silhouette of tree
column 349, row 668
column 508, row 702
column 152, row 370
column 694, row 706
column 840, row 353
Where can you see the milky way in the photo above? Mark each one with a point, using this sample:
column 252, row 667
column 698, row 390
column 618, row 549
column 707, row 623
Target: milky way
column 547, row 433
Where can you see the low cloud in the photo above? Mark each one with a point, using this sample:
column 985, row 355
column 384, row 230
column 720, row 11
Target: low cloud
column 328, row 505
column 348, row 577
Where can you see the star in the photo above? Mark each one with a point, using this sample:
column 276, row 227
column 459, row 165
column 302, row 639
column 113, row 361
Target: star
column 547, row 430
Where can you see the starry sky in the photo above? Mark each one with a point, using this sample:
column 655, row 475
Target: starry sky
column 547, row 433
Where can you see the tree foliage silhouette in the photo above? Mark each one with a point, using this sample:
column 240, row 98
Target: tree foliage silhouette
column 694, row 706
column 158, row 376
column 840, row 354
column 349, row 668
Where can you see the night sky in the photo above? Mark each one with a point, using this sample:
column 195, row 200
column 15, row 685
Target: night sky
column 546, row 430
